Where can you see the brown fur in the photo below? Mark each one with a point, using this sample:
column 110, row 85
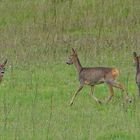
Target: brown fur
column 95, row 75
column 137, row 64
column 115, row 73
column 2, row 69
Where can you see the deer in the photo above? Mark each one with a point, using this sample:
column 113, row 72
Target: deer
column 93, row 76
column 2, row 70
column 137, row 63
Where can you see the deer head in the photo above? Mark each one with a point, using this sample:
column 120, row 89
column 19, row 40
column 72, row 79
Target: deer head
column 72, row 57
column 135, row 58
column 2, row 69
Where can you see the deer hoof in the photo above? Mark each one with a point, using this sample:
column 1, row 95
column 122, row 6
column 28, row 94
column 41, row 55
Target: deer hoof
column 130, row 101
column 71, row 103
column 99, row 102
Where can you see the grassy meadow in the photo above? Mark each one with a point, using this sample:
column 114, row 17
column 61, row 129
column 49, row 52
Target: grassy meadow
column 36, row 36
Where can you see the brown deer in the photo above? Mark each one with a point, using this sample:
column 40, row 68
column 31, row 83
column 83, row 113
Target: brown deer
column 95, row 75
column 137, row 63
column 2, row 70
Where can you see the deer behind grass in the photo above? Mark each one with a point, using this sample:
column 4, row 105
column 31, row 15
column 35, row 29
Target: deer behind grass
column 2, row 70
column 137, row 63
column 94, row 76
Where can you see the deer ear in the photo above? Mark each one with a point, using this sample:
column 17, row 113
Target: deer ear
column 134, row 54
column 73, row 50
column 5, row 62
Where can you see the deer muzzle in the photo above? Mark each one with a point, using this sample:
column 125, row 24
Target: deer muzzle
column 69, row 62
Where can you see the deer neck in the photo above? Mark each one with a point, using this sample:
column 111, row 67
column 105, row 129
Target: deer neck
column 78, row 65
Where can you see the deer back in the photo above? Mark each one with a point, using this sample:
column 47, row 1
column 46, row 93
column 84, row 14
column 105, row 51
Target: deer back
column 97, row 75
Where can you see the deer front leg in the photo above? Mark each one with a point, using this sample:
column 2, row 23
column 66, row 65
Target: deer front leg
column 91, row 94
column 72, row 100
column 111, row 92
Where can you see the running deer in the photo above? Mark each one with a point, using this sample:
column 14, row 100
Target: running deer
column 2, row 70
column 95, row 75
column 137, row 60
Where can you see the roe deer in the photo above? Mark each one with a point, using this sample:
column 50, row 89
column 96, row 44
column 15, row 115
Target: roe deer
column 137, row 60
column 95, row 75
column 2, row 69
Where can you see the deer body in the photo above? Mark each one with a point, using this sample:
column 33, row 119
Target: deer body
column 95, row 75
column 137, row 63
column 138, row 78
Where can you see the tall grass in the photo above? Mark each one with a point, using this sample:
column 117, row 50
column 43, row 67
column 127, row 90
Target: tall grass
column 36, row 38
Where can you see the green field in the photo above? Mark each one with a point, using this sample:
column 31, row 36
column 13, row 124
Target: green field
column 36, row 36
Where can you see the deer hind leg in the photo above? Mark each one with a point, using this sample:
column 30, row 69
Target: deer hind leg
column 92, row 95
column 79, row 89
column 111, row 92
column 121, row 86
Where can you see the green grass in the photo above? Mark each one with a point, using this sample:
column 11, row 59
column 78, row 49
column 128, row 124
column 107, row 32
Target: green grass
column 29, row 96
column 36, row 38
